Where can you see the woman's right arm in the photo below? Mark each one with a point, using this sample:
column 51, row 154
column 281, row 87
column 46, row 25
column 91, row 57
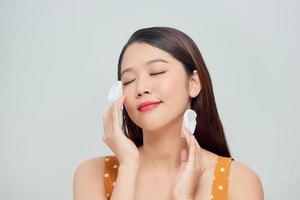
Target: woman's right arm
column 125, row 150
column 88, row 180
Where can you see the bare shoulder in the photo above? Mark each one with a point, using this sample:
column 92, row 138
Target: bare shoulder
column 88, row 180
column 244, row 183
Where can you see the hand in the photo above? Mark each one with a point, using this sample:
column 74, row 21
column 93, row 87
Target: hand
column 191, row 169
column 124, row 149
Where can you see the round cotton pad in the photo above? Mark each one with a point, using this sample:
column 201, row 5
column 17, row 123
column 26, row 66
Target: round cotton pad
column 189, row 120
column 115, row 91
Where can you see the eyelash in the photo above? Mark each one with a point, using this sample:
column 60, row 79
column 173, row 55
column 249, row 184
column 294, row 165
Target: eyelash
column 150, row 74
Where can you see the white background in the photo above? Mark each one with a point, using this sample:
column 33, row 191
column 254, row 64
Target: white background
column 58, row 59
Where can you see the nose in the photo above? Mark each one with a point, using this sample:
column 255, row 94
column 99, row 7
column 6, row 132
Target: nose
column 141, row 88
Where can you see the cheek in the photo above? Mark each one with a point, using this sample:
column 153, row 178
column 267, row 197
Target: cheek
column 172, row 88
column 177, row 96
column 129, row 100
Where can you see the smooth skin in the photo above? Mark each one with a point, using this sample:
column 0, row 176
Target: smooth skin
column 167, row 166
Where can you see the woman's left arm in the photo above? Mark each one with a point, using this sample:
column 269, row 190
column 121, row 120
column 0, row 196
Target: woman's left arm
column 244, row 183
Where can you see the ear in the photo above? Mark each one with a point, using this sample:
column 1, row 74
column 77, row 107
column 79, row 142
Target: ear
column 194, row 84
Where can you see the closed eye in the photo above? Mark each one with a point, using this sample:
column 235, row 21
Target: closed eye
column 158, row 73
column 150, row 74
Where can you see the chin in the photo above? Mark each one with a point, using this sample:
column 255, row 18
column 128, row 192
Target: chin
column 153, row 120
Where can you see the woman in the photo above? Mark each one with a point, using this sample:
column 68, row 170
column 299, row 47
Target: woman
column 155, row 157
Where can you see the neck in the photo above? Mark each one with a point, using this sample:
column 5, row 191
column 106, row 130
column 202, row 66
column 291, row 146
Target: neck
column 162, row 148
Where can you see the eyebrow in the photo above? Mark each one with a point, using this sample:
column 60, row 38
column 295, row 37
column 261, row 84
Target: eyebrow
column 147, row 63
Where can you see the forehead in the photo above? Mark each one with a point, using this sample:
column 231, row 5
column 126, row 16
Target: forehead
column 139, row 53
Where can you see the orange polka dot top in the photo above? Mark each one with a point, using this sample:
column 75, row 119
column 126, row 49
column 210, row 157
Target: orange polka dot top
column 219, row 186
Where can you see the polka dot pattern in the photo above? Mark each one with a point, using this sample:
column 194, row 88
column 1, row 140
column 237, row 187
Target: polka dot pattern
column 220, row 178
column 110, row 174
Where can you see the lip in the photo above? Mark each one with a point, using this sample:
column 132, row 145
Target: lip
column 147, row 103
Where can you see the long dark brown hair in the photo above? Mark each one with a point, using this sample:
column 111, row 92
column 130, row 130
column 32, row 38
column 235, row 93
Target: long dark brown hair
column 209, row 130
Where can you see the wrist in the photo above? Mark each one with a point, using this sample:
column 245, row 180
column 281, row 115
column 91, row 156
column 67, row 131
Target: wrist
column 131, row 167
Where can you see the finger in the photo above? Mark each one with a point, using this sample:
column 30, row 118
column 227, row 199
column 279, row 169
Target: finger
column 119, row 101
column 184, row 155
column 186, row 130
column 197, row 146
column 197, row 153
column 114, row 114
column 117, row 105
column 122, row 98
column 184, row 158
column 192, row 149
column 186, row 135
column 106, row 117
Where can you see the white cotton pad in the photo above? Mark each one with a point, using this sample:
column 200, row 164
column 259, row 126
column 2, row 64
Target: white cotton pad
column 115, row 91
column 189, row 120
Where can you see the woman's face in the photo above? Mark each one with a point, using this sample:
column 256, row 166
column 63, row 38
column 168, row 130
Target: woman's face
column 153, row 75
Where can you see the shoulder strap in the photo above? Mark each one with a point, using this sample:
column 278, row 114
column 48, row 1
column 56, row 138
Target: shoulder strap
column 110, row 174
column 220, row 180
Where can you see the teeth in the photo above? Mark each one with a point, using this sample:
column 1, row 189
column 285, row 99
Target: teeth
column 115, row 91
column 189, row 120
